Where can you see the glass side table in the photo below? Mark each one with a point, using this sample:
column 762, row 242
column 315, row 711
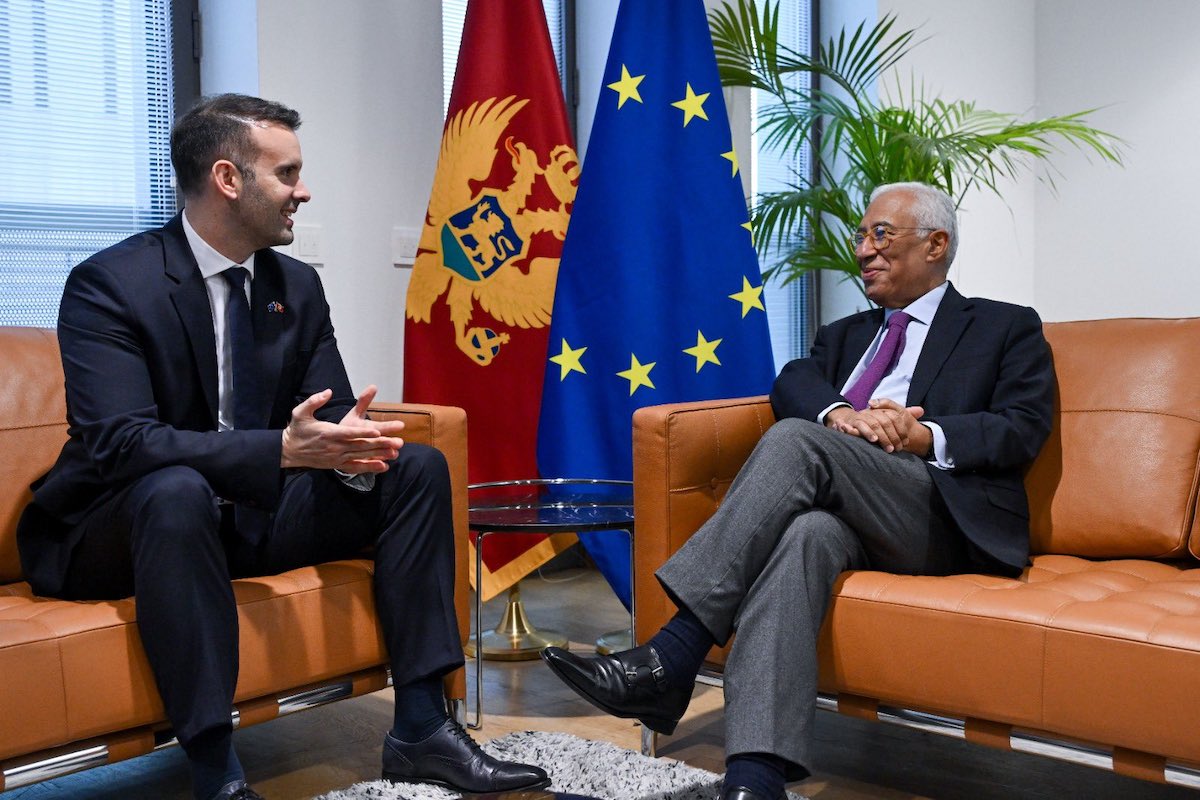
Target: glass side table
column 542, row 506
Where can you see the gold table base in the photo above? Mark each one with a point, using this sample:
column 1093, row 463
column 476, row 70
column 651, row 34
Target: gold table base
column 515, row 638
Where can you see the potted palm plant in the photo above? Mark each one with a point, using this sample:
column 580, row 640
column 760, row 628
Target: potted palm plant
column 827, row 101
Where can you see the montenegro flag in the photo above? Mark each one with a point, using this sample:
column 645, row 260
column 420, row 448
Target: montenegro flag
column 482, row 286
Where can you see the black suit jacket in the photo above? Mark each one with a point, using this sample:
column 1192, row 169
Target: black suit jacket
column 139, row 357
column 985, row 376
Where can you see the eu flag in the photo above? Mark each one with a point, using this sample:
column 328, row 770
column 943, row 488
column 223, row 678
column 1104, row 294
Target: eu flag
column 659, row 295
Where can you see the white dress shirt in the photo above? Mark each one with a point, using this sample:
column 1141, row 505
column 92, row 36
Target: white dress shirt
column 212, row 264
column 895, row 384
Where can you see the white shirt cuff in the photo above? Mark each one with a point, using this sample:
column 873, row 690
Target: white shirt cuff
column 363, row 482
column 821, row 416
column 941, row 455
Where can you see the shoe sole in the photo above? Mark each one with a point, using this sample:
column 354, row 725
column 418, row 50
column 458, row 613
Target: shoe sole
column 396, row 778
column 656, row 724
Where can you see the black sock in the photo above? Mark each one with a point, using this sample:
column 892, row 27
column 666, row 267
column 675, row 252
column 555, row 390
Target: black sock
column 420, row 710
column 213, row 761
column 682, row 644
column 761, row 773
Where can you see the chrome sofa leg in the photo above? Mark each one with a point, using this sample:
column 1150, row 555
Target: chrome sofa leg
column 649, row 742
column 458, row 711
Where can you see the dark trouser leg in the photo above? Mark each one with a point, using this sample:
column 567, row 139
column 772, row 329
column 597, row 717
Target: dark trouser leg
column 159, row 538
column 407, row 518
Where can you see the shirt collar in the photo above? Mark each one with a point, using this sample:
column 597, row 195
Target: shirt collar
column 924, row 307
column 207, row 258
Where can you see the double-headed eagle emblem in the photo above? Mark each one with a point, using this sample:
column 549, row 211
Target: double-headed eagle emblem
column 473, row 238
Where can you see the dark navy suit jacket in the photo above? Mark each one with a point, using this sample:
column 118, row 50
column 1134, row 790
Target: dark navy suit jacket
column 985, row 376
column 139, row 356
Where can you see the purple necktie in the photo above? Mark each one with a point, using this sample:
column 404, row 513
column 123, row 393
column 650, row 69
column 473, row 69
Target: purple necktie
column 885, row 361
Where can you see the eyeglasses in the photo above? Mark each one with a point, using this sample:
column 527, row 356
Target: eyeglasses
column 880, row 236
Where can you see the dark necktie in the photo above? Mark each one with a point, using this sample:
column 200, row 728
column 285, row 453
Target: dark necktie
column 885, row 360
column 248, row 403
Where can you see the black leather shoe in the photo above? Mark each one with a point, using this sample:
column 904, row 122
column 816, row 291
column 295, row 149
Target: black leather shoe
column 631, row 684
column 237, row 790
column 451, row 758
column 742, row 793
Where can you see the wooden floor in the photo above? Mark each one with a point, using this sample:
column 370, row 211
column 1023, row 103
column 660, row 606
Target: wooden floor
column 316, row 751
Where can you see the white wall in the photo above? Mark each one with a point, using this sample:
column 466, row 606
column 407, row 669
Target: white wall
column 1109, row 243
column 1096, row 248
column 366, row 77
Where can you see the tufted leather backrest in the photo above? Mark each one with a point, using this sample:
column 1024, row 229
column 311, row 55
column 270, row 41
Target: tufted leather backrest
column 1118, row 477
column 33, row 426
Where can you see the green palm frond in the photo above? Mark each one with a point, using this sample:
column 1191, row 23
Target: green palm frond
column 859, row 143
column 855, row 64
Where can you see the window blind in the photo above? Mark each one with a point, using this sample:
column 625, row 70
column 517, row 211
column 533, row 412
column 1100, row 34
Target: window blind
column 453, row 14
column 789, row 308
column 85, row 119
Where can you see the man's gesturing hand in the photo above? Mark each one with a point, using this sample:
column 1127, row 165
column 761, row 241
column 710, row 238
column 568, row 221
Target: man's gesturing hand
column 354, row 445
column 885, row 423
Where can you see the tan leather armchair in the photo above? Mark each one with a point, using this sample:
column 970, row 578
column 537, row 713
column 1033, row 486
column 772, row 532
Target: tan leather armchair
column 75, row 688
column 1093, row 654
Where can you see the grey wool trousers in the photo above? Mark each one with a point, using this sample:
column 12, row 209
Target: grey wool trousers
column 809, row 504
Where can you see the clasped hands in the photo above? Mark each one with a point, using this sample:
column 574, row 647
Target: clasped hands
column 354, row 445
column 886, row 423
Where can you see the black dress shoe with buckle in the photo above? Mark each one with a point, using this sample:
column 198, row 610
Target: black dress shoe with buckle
column 631, row 684
column 451, row 758
column 237, row 790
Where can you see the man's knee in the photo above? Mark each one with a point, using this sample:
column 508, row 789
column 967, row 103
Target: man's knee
column 792, row 430
column 422, row 467
column 823, row 536
column 178, row 493
column 790, row 444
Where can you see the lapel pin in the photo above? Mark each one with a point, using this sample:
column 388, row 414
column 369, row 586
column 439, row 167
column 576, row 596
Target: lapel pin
column 275, row 307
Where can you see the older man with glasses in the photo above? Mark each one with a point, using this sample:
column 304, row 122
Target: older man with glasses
column 900, row 446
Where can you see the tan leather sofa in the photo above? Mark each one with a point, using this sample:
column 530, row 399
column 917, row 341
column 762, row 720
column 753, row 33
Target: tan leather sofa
column 75, row 688
column 1093, row 654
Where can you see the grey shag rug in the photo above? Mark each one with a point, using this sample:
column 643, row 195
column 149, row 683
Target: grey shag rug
column 578, row 766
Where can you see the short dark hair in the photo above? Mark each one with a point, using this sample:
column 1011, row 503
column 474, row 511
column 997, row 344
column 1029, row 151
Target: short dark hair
column 219, row 128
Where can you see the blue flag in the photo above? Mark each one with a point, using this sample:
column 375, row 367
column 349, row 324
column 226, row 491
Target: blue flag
column 659, row 295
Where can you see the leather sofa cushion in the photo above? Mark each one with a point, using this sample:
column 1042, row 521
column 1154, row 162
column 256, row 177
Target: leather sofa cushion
column 33, row 427
column 1118, row 477
column 74, row 670
column 1075, row 646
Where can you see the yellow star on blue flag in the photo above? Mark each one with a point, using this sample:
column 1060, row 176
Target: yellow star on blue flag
column 655, row 247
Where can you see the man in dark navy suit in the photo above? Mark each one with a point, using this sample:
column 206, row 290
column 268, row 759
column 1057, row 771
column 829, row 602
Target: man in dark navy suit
column 900, row 446
column 214, row 434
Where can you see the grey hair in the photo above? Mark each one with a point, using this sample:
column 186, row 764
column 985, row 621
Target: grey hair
column 932, row 208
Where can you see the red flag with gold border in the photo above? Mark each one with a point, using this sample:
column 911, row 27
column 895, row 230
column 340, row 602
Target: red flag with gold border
column 482, row 286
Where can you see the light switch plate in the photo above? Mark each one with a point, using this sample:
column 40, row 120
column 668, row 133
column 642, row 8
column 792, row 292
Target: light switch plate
column 404, row 246
column 308, row 245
